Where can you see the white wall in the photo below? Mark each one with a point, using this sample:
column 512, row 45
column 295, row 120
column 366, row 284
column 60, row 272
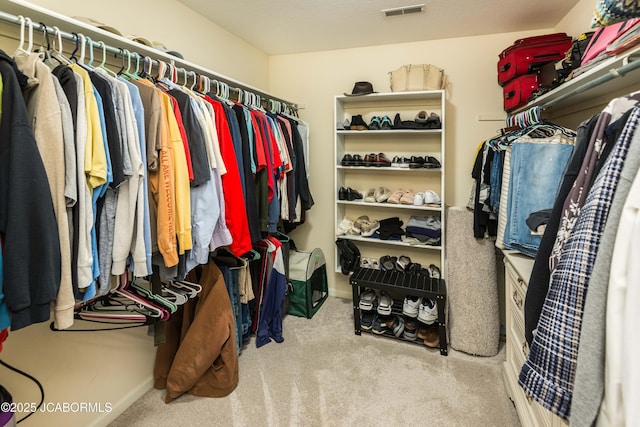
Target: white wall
column 199, row 40
column 313, row 79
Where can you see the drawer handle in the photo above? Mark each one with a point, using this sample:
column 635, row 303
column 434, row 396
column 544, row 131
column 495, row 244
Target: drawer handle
column 517, row 299
column 525, row 348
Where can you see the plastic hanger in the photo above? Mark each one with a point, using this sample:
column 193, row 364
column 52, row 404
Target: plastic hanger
column 104, row 59
column 57, row 48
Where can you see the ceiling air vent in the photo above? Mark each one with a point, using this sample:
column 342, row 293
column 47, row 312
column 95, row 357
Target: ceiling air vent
column 405, row 10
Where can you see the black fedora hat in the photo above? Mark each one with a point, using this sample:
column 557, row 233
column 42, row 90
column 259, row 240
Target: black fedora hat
column 361, row 88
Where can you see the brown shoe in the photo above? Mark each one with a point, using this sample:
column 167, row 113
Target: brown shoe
column 432, row 338
column 382, row 160
column 370, row 160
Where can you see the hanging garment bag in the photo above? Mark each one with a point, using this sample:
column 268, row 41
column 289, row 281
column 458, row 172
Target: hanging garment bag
column 526, row 55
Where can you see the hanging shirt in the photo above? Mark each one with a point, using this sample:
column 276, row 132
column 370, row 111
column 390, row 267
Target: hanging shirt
column 181, row 179
column 235, row 211
column 31, row 257
column 46, row 118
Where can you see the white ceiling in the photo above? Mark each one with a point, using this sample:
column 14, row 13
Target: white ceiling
column 295, row 26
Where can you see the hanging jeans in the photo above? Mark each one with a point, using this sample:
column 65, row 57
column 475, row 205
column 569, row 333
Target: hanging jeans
column 231, row 281
column 536, row 171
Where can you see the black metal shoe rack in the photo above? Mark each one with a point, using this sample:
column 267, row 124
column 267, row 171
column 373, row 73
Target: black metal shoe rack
column 397, row 283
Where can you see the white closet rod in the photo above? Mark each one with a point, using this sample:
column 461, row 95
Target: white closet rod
column 132, row 47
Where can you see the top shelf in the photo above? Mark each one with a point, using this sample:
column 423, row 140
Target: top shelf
column 392, row 96
column 612, row 75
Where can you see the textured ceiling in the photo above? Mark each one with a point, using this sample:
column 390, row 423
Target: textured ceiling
column 295, row 26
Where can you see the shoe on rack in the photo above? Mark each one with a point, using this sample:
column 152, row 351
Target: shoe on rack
column 375, row 123
column 395, row 162
column 357, row 224
column 370, row 196
column 358, row 123
column 419, row 199
column 342, row 193
column 344, row 227
column 382, row 160
column 380, row 324
column 366, row 321
column 382, row 194
column 402, row 262
column 416, row 162
column 367, row 300
column 396, row 325
column 408, row 198
column 395, row 197
column 433, row 121
column 431, row 198
column 369, row 160
column 385, row 123
column 347, row 160
column 431, row 162
column 357, row 160
column 421, row 117
column 368, row 228
column 343, row 125
column 432, row 338
column 353, row 194
column 385, row 303
column 410, row 329
column 388, row 263
column 434, row 271
column 428, row 311
column 411, row 306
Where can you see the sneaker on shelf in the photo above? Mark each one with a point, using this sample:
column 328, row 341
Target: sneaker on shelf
column 431, row 198
column 375, row 123
column 385, row 123
column 419, row 199
column 410, row 329
column 385, row 303
column 396, row 325
column 428, row 311
column 380, row 324
column 411, row 306
column 366, row 321
column 367, row 300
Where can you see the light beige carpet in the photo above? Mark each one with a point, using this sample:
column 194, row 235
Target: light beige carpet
column 472, row 290
column 325, row 375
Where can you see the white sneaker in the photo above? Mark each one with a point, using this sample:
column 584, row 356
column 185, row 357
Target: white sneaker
column 410, row 306
column 431, row 198
column 419, row 199
column 428, row 311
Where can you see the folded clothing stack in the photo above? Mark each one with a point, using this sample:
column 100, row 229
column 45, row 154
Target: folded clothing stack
column 390, row 229
column 425, row 228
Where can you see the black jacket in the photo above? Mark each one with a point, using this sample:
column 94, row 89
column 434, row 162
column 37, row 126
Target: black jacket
column 31, row 247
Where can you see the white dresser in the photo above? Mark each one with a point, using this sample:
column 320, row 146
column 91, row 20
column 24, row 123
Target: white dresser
column 517, row 272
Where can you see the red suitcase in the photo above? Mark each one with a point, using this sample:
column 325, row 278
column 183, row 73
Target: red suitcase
column 524, row 55
column 518, row 91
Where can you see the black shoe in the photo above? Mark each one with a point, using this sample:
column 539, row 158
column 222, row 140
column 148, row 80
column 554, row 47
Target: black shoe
column 347, row 160
column 357, row 160
column 358, row 123
column 342, row 193
column 353, row 194
column 416, row 162
column 431, row 163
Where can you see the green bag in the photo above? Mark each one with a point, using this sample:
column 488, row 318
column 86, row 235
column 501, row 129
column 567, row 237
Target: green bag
column 308, row 277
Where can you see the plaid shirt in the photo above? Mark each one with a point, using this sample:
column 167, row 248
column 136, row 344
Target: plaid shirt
column 549, row 371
